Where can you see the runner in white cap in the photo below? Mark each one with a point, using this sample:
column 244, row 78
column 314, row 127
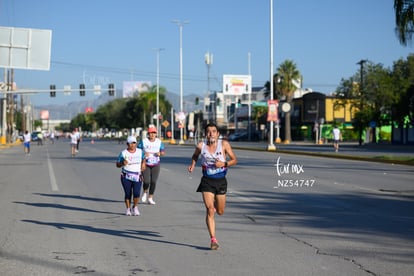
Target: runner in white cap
column 131, row 160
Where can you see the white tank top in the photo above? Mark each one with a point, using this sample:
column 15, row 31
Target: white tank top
column 208, row 161
column 151, row 148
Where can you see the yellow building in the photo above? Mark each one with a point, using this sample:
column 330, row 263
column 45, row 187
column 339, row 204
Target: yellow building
column 315, row 109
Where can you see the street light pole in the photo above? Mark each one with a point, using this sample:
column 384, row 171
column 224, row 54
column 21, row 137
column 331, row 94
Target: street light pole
column 208, row 58
column 180, row 25
column 271, row 146
column 361, row 89
column 249, row 129
column 158, row 50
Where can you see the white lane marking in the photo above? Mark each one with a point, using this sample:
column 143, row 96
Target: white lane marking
column 52, row 177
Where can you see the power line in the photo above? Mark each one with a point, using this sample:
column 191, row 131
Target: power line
column 125, row 71
column 169, row 76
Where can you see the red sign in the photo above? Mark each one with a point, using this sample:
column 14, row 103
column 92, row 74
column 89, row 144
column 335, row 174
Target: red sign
column 88, row 110
column 272, row 110
column 44, row 114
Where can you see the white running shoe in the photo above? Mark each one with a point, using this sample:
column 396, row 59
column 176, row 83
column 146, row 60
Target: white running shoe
column 128, row 212
column 151, row 201
column 135, row 211
column 144, row 198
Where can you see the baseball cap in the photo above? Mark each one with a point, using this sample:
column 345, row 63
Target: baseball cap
column 131, row 139
column 152, row 129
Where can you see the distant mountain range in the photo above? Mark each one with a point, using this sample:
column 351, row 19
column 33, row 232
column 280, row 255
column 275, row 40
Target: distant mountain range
column 71, row 109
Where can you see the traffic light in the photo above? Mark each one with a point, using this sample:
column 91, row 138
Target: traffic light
column 52, row 90
column 197, row 100
column 218, row 101
column 239, row 103
column 82, row 89
column 111, row 89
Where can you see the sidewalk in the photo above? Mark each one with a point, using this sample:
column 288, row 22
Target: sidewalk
column 8, row 145
column 398, row 154
column 367, row 149
column 352, row 148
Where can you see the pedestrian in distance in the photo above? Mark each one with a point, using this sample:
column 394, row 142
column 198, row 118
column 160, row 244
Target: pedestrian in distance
column 336, row 137
column 132, row 162
column 52, row 137
column 27, row 138
column 73, row 142
column 153, row 149
column 40, row 139
column 78, row 139
column 216, row 156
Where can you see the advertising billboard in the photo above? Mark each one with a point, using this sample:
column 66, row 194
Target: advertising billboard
column 237, row 84
column 44, row 114
column 133, row 88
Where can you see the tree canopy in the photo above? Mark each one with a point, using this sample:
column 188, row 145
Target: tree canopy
column 404, row 20
column 387, row 94
column 125, row 113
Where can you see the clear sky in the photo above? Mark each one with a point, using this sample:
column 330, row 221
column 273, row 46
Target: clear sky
column 102, row 41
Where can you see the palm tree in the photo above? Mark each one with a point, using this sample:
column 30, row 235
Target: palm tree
column 286, row 74
column 164, row 109
column 148, row 101
column 404, row 19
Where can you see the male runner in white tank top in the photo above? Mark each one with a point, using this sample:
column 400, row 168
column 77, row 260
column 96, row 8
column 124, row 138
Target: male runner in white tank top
column 214, row 161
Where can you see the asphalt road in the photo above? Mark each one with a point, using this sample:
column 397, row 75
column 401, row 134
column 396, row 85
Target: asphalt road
column 286, row 215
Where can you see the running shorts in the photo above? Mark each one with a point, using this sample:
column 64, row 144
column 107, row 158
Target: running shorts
column 217, row 186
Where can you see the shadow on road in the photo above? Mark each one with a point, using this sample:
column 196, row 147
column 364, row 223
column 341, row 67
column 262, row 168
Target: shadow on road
column 150, row 236
column 370, row 215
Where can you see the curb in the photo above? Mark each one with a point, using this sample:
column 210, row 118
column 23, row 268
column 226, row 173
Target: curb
column 335, row 155
column 327, row 155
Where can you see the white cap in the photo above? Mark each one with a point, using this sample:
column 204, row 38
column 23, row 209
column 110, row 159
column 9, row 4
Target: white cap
column 131, row 139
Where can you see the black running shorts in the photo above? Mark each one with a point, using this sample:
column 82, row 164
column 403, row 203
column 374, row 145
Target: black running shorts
column 217, row 186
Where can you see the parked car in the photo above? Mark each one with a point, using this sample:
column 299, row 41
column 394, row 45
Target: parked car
column 34, row 135
column 235, row 136
column 243, row 136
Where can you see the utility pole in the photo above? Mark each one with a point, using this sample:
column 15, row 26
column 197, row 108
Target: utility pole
column 3, row 112
column 362, row 95
column 158, row 50
column 249, row 128
column 10, row 104
column 271, row 146
column 23, row 113
column 215, row 107
column 180, row 25
column 208, row 58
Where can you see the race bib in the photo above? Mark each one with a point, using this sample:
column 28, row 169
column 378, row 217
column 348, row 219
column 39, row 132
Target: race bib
column 213, row 170
column 132, row 176
column 153, row 160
